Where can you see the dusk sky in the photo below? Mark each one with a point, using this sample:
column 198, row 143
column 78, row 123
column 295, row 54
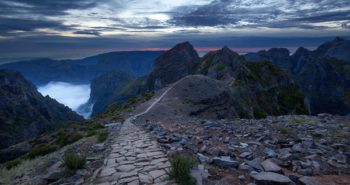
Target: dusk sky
column 77, row 28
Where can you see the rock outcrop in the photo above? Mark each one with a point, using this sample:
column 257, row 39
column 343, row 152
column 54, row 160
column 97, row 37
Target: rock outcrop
column 173, row 65
column 322, row 74
column 25, row 113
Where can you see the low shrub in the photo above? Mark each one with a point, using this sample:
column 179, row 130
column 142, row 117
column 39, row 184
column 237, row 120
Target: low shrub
column 284, row 131
column 73, row 161
column 10, row 164
column 102, row 136
column 42, row 150
column 181, row 169
column 68, row 138
column 259, row 113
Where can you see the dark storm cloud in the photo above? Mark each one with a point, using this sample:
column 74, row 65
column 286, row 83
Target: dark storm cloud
column 8, row 25
column 43, row 7
column 262, row 14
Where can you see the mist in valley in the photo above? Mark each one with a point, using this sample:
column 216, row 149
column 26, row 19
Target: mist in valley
column 72, row 95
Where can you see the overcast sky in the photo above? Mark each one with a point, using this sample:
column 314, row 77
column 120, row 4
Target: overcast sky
column 75, row 28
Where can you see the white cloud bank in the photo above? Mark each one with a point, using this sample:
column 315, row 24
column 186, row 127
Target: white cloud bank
column 68, row 94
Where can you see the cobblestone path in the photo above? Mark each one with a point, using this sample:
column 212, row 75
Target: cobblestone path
column 135, row 159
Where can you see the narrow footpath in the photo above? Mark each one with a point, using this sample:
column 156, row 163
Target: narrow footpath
column 136, row 158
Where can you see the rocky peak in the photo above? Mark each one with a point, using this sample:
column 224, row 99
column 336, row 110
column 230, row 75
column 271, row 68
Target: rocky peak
column 338, row 48
column 174, row 64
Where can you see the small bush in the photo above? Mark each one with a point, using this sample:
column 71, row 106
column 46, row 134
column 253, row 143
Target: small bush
column 181, row 168
column 73, row 161
column 42, row 150
column 93, row 128
column 10, row 164
column 102, row 136
column 259, row 113
column 284, row 131
column 67, row 138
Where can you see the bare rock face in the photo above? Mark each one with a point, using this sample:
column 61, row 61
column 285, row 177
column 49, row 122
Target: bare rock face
column 24, row 112
column 173, row 65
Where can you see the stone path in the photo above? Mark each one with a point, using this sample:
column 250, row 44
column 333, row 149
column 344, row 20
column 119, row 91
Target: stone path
column 135, row 159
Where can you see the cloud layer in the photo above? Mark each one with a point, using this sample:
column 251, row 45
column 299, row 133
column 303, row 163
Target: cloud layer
column 157, row 20
column 68, row 94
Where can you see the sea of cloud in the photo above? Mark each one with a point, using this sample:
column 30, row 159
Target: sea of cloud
column 72, row 95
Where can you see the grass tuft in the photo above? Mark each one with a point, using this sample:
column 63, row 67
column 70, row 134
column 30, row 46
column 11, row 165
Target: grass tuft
column 73, row 161
column 42, row 150
column 102, row 136
column 181, row 168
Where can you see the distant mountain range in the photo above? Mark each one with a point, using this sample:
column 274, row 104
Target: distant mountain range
column 271, row 82
column 267, row 82
column 82, row 71
column 25, row 113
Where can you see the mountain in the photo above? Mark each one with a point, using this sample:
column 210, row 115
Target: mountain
column 173, row 65
column 228, row 86
column 82, row 71
column 25, row 113
column 106, row 89
column 322, row 74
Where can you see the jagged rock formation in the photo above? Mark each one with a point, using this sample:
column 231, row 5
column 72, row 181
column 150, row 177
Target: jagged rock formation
column 24, row 112
column 323, row 75
column 173, row 65
column 260, row 88
column 42, row 71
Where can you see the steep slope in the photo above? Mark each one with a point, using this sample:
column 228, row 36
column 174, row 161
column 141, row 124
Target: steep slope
column 173, row 65
column 105, row 89
column 42, row 71
column 24, row 112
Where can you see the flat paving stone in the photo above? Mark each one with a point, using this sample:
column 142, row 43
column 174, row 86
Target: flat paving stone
column 135, row 158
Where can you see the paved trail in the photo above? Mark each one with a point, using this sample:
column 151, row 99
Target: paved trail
column 135, row 157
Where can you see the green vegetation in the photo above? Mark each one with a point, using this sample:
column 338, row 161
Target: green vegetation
column 93, row 128
column 292, row 99
column 285, row 131
column 263, row 72
column 181, row 168
column 259, row 113
column 10, row 164
column 73, row 161
column 67, row 138
column 42, row 150
column 147, row 95
column 102, row 136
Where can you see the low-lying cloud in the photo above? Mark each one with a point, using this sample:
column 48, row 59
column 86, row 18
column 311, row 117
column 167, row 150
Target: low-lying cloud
column 68, row 94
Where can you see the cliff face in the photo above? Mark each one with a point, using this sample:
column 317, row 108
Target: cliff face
column 106, row 89
column 24, row 112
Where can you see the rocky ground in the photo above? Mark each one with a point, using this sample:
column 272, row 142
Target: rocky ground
column 276, row 150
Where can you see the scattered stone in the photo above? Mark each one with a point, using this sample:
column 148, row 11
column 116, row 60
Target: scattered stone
column 308, row 181
column 225, row 162
column 270, row 178
column 270, row 166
